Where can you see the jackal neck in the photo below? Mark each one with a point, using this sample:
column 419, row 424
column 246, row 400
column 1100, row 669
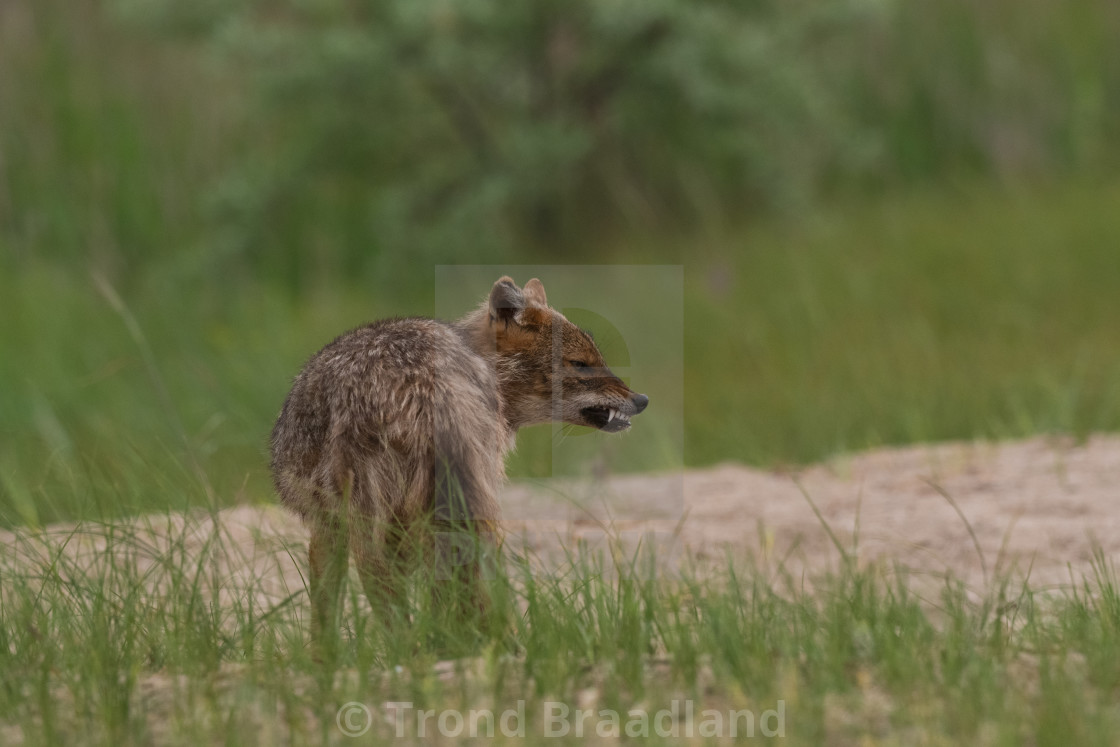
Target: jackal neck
column 476, row 331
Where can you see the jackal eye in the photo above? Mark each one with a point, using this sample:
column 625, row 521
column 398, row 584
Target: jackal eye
column 580, row 365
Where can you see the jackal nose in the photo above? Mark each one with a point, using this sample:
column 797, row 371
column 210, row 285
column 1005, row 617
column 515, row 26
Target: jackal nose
column 640, row 401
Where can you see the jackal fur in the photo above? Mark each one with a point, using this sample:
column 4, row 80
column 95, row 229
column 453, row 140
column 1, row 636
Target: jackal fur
column 405, row 423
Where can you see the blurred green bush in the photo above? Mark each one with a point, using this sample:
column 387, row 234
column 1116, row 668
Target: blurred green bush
column 467, row 129
column 316, row 140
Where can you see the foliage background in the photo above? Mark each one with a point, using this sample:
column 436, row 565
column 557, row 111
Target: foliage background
column 898, row 221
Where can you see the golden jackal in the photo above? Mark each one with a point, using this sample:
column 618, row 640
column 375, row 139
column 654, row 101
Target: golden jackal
column 405, row 423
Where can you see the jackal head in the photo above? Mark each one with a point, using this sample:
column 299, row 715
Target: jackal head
column 548, row 368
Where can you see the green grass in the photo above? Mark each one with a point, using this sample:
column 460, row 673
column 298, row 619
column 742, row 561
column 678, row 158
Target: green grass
column 980, row 313
column 867, row 325
column 109, row 637
column 975, row 313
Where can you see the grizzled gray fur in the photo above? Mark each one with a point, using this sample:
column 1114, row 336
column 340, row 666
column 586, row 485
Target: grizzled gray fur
column 404, row 423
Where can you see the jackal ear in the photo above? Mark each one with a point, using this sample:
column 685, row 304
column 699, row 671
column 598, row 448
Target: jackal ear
column 506, row 300
column 534, row 293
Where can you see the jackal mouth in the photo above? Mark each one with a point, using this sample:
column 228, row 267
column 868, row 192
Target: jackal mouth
column 606, row 419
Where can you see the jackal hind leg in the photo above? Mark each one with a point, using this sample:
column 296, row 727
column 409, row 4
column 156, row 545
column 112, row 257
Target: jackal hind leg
column 380, row 557
column 328, row 558
column 464, row 563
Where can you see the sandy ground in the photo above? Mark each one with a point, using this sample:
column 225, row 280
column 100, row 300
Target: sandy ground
column 977, row 510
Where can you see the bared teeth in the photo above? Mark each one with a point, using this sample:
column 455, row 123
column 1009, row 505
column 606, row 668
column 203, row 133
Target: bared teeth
column 614, row 414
